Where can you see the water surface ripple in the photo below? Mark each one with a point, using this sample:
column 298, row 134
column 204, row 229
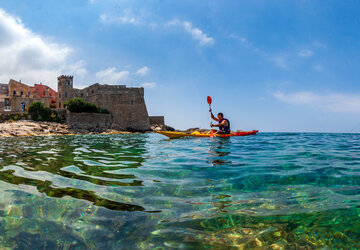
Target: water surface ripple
column 270, row 191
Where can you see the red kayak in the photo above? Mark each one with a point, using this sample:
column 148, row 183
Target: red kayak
column 198, row 134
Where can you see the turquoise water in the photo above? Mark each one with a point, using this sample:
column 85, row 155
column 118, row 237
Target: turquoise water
column 270, row 191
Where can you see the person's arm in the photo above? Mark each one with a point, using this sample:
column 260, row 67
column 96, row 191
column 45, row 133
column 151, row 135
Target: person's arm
column 212, row 116
column 218, row 125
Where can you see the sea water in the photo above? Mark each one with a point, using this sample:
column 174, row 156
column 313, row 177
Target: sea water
column 143, row 191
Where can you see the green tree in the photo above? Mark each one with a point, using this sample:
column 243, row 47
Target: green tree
column 39, row 112
column 78, row 105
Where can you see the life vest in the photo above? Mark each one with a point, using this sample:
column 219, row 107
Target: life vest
column 224, row 127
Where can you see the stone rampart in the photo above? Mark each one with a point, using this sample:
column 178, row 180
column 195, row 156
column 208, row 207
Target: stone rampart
column 89, row 121
column 61, row 114
column 126, row 105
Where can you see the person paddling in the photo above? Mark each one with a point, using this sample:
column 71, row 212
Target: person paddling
column 223, row 123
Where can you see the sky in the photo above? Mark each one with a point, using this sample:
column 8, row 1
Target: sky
column 271, row 65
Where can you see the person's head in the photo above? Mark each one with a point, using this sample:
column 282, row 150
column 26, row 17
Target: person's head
column 220, row 116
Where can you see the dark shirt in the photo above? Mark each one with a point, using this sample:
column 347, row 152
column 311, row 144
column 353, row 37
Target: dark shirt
column 224, row 128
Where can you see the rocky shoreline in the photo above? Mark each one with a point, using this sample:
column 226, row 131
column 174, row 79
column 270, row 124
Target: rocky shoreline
column 32, row 128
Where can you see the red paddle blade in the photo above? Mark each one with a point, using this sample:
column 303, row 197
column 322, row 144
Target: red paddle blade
column 212, row 134
column 209, row 100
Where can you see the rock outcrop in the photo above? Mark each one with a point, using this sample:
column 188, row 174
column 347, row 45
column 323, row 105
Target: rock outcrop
column 159, row 127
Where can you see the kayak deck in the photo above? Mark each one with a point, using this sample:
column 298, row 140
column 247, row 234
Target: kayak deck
column 173, row 135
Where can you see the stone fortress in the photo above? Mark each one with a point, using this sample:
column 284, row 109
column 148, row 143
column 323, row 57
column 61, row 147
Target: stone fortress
column 126, row 105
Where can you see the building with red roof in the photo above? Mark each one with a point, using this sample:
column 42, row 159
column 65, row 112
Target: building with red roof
column 44, row 91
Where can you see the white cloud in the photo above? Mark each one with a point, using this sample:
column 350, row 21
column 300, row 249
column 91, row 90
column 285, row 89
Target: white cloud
column 279, row 61
column 149, row 85
column 30, row 57
column 305, row 53
column 126, row 17
column 328, row 102
column 143, row 71
column 111, row 76
column 195, row 33
column 107, row 19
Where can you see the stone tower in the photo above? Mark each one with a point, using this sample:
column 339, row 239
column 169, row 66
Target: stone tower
column 65, row 89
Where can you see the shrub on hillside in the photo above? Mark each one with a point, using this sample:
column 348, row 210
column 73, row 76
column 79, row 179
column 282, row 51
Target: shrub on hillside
column 78, row 105
column 39, row 112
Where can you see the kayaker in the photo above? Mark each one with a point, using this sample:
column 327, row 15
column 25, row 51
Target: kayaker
column 223, row 123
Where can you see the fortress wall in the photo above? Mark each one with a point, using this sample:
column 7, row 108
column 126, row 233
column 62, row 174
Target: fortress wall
column 89, row 121
column 127, row 107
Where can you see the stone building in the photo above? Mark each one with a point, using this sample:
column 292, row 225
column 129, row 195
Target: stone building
column 127, row 105
column 4, row 97
column 17, row 97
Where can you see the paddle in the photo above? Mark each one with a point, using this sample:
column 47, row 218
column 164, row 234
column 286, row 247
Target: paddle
column 209, row 100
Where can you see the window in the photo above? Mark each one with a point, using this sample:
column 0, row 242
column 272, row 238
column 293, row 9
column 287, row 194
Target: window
column 7, row 108
column 43, row 92
column 69, row 83
column 7, row 101
column 21, row 93
column 29, row 93
column 59, row 95
column 132, row 102
column 14, row 92
column 65, row 94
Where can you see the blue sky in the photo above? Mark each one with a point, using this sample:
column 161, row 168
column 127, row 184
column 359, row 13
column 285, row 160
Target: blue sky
column 269, row 65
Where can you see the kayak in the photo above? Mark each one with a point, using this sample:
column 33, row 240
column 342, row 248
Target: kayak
column 173, row 135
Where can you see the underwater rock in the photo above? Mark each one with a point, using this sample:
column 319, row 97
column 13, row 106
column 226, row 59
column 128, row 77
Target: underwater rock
column 246, row 231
